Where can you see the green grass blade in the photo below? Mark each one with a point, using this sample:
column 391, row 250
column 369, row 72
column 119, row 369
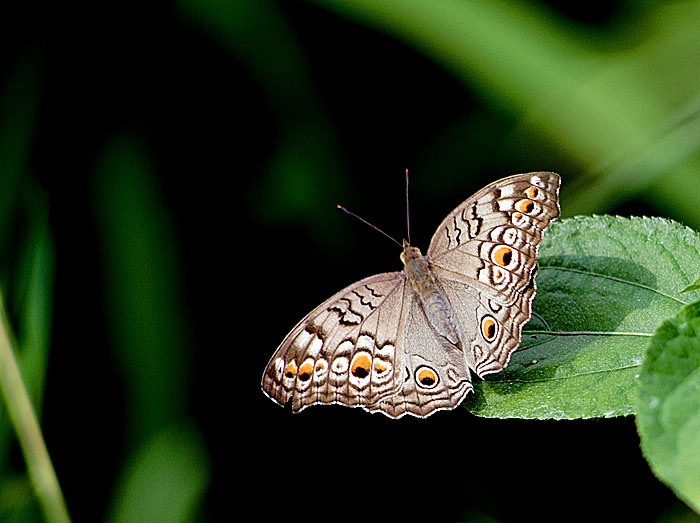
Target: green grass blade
column 26, row 426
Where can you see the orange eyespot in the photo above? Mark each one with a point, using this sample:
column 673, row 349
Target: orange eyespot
column 525, row 206
column 502, row 255
column 489, row 328
column 497, row 275
column 305, row 371
column 361, row 365
column 380, row 368
column 533, row 192
column 291, row 370
column 426, row 377
column 320, row 369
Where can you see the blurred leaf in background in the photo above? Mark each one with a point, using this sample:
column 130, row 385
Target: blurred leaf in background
column 151, row 337
column 166, row 479
column 146, row 315
column 628, row 115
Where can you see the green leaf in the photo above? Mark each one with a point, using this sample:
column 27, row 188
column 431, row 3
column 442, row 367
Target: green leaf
column 668, row 418
column 604, row 283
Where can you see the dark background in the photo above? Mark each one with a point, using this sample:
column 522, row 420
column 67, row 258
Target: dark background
column 186, row 160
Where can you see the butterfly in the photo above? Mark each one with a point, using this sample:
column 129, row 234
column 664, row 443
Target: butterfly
column 406, row 342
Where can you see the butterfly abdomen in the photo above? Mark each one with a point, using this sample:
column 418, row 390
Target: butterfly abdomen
column 435, row 305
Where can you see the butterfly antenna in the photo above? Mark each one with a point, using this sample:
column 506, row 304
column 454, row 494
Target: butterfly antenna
column 371, row 225
column 408, row 221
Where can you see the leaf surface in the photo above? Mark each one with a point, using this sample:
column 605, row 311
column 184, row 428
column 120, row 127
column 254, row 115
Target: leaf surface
column 668, row 414
column 604, row 284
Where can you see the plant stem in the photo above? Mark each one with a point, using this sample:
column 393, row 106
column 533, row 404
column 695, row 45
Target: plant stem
column 23, row 417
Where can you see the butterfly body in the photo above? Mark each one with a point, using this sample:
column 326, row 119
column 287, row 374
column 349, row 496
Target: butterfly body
column 433, row 302
column 406, row 342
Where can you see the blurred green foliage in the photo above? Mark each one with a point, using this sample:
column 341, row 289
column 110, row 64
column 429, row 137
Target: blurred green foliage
column 116, row 136
column 627, row 112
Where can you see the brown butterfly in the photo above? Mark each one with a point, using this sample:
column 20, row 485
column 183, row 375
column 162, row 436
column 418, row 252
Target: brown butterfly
column 405, row 342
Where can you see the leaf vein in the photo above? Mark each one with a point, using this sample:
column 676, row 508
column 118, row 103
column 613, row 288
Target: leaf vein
column 561, row 378
column 589, row 333
column 613, row 278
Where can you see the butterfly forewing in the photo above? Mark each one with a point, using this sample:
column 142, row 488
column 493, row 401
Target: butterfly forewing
column 490, row 241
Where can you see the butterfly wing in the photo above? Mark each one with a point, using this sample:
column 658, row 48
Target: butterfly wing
column 490, row 241
column 491, row 331
column 348, row 350
column 437, row 373
column 436, row 376
column 484, row 255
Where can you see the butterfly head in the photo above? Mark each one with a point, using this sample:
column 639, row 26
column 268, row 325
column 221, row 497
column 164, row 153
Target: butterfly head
column 409, row 253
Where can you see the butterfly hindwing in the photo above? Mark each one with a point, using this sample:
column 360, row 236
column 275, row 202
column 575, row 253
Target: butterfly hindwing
column 490, row 241
column 436, row 375
column 491, row 331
